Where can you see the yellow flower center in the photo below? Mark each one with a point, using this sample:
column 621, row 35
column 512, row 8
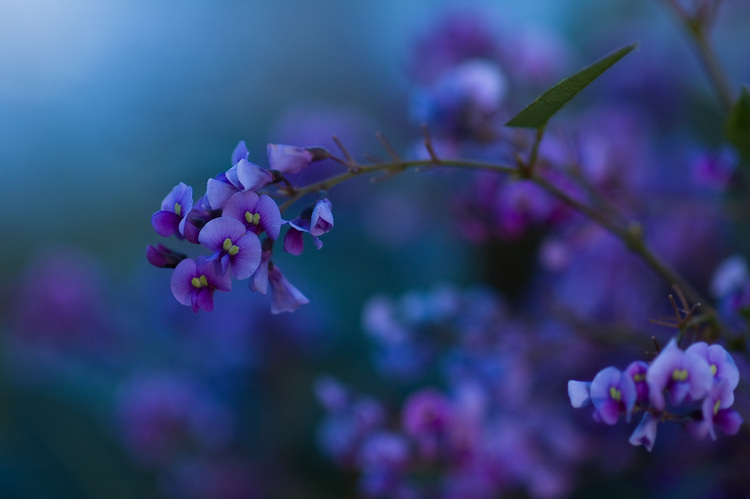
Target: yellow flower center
column 680, row 374
column 178, row 209
column 717, row 406
column 230, row 248
column 252, row 218
column 199, row 282
column 614, row 393
column 713, row 369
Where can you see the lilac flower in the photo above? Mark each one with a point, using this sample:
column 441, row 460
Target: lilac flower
column 194, row 283
column 637, row 372
column 612, row 392
column 645, row 433
column 321, row 220
column 242, row 176
column 425, row 417
column 684, row 375
column 174, row 210
column 257, row 213
column 719, row 361
column 233, row 246
column 163, row 257
column 284, row 296
column 198, row 217
column 715, row 412
column 288, row 159
column 316, row 221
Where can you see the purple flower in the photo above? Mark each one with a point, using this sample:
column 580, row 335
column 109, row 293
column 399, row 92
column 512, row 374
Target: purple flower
column 719, row 361
column 194, row 283
column 242, row 176
column 612, row 392
column 288, row 159
column 174, row 210
column 637, row 372
column 257, row 213
column 645, row 433
column 321, row 220
column 233, row 246
column 316, row 221
column 284, row 296
column 426, row 416
column 163, row 257
column 715, row 412
column 684, row 375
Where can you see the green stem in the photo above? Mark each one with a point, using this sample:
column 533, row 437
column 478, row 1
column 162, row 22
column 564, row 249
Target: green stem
column 716, row 75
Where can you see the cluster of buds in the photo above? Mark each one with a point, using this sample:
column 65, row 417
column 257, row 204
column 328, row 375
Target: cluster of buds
column 693, row 386
column 229, row 221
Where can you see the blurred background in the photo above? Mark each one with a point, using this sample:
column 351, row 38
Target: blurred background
column 109, row 388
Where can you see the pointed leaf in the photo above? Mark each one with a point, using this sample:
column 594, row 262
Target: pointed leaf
column 536, row 114
column 738, row 124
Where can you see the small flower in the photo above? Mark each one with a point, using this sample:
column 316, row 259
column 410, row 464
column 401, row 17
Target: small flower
column 719, row 361
column 715, row 411
column 174, row 210
column 321, row 220
column 637, row 372
column 686, row 376
column 233, row 246
column 242, row 176
column 612, row 392
column 645, row 433
column 284, row 296
column 257, row 213
column 288, row 159
column 316, row 221
column 194, row 283
column 163, row 257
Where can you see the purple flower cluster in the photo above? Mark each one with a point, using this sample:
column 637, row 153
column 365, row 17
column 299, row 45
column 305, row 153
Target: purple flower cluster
column 693, row 386
column 478, row 419
column 229, row 221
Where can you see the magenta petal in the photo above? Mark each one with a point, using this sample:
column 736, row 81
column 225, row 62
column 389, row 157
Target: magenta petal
column 293, row 242
column 729, row 421
column 166, row 223
column 203, row 299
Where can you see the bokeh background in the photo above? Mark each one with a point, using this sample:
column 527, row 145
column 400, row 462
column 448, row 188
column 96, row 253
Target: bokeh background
column 106, row 105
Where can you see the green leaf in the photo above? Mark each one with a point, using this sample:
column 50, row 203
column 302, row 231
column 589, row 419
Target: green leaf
column 546, row 105
column 738, row 124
